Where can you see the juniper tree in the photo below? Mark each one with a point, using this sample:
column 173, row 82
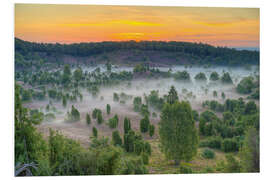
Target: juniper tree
column 151, row 130
column 95, row 132
column 172, row 96
column 144, row 124
column 127, row 125
column 108, row 108
column 88, row 119
column 178, row 134
column 116, row 139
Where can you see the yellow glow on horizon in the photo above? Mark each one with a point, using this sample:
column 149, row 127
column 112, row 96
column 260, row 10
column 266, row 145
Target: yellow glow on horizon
column 84, row 23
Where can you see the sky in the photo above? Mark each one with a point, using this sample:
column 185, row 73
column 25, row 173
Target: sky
column 231, row 27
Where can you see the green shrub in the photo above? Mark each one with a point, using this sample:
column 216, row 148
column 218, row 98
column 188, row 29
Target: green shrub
column 208, row 154
column 99, row 118
column 113, row 122
column 229, row 145
column 151, row 130
column 88, row 119
column 145, row 158
column 226, row 78
column 108, row 108
column 245, row 85
column 214, row 76
column 116, row 139
column 200, row 77
column 144, row 124
column 185, row 170
column 95, row 132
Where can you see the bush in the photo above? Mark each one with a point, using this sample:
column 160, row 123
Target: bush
column 145, row 158
column 232, row 165
column 185, row 170
column 95, row 132
column 132, row 165
column 116, row 139
column 144, row 124
column 108, row 108
column 127, row 125
column 200, row 77
column 251, row 108
column 73, row 116
column 229, row 145
column 151, row 130
column 195, row 115
column 88, row 119
column 214, row 76
column 99, row 118
column 115, row 97
column 245, row 85
column 182, row 76
column 215, row 93
column 95, row 113
column 113, row 122
column 226, row 78
column 208, row 154
column 137, row 102
column 138, row 146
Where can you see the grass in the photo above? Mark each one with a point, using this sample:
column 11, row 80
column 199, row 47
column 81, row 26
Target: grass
column 158, row 164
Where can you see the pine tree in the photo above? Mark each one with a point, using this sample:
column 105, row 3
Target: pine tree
column 178, row 135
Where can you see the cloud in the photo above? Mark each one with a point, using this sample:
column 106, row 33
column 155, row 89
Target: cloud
column 115, row 22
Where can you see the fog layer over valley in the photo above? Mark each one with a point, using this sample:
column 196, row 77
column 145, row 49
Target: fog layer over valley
column 196, row 92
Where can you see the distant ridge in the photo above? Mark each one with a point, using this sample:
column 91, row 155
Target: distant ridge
column 160, row 52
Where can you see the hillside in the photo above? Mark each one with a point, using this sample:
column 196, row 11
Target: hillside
column 157, row 53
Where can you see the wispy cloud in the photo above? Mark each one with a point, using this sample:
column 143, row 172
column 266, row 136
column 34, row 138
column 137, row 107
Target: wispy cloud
column 116, row 22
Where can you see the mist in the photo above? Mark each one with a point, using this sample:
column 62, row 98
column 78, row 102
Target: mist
column 194, row 92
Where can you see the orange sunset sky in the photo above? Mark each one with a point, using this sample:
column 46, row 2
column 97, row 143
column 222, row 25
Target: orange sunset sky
column 232, row 27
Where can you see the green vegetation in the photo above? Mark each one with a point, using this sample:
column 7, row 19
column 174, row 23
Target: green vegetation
column 116, row 139
column 88, row 119
column 73, row 116
column 182, row 76
column 200, row 77
column 137, row 102
column 127, row 125
column 214, row 76
column 108, row 108
column 196, row 53
column 151, row 130
column 95, row 132
column 113, row 122
column 245, row 86
column 224, row 137
column 178, row 135
column 226, row 78
column 208, row 154
column 144, row 124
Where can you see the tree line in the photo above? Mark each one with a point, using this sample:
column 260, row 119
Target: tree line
column 197, row 53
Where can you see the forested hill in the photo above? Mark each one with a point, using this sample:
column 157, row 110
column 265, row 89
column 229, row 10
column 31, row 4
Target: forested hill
column 156, row 52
